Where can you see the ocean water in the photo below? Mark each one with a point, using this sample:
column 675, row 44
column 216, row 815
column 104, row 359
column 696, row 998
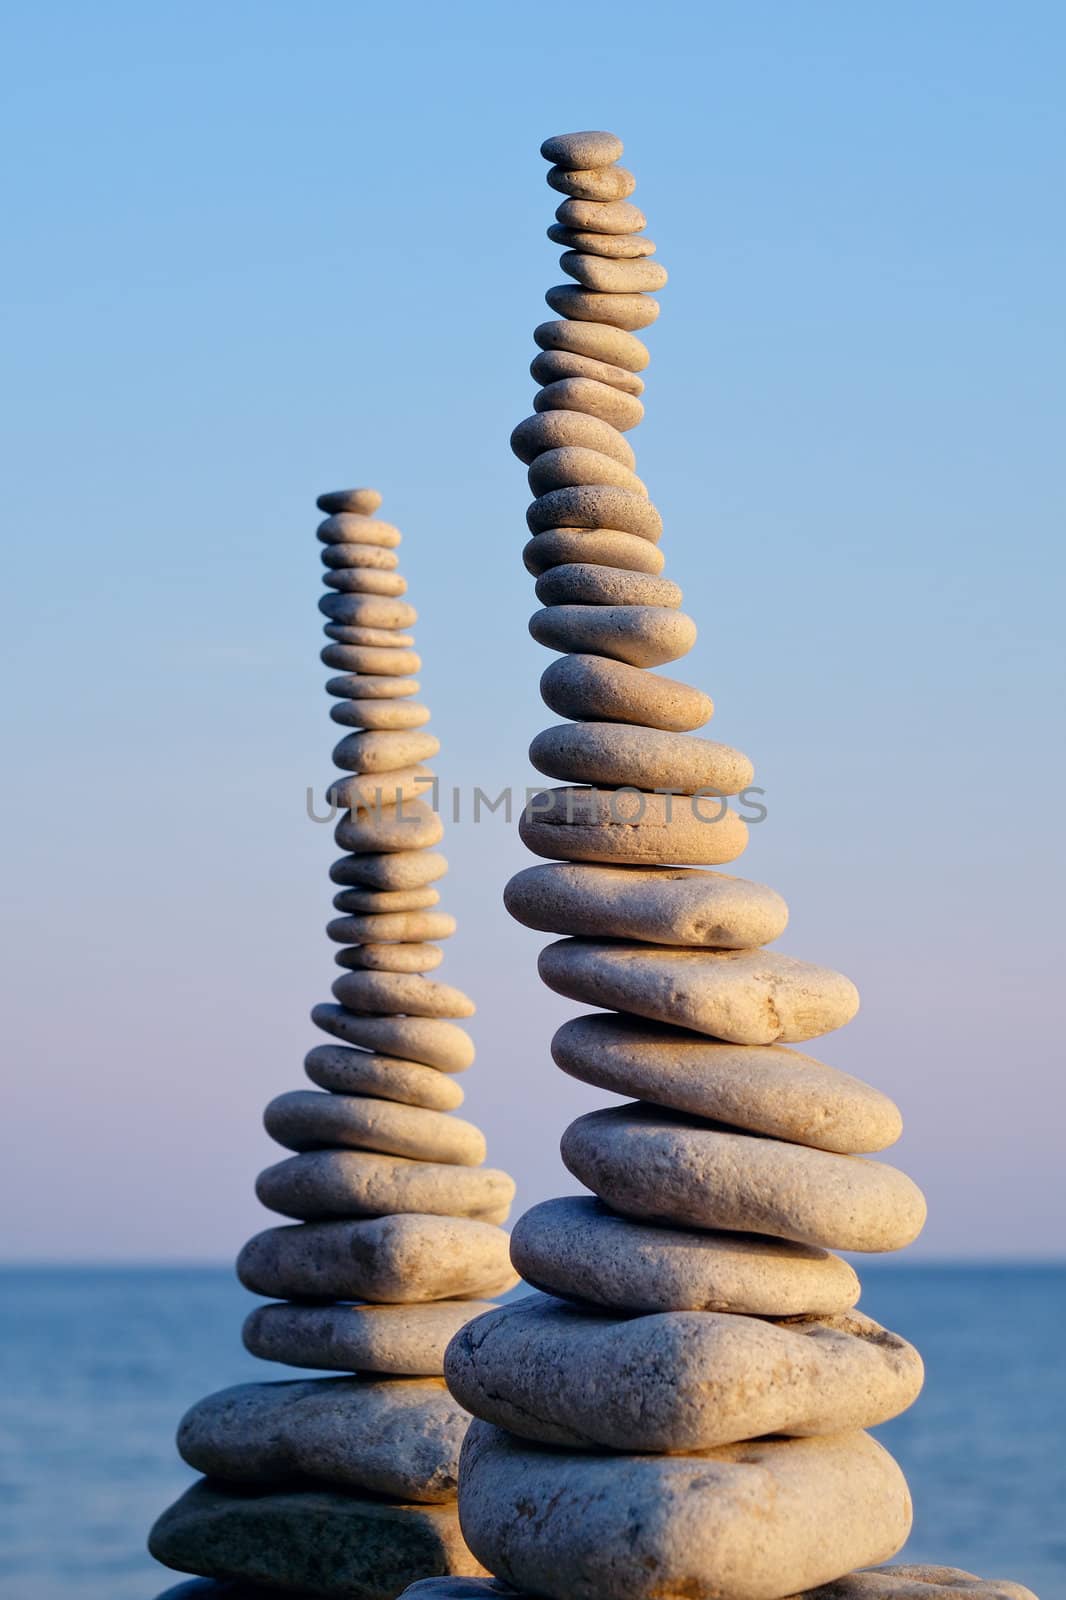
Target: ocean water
column 97, row 1365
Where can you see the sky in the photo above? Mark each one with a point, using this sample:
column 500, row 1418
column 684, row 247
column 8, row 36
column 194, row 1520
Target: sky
column 253, row 252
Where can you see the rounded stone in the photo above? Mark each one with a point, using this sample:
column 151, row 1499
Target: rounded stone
column 378, row 793
column 658, row 905
column 403, row 927
column 660, row 1166
column 760, row 1088
column 592, row 183
column 381, row 715
column 390, row 957
column 369, row 557
column 547, row 1371
column 366, row 580
column 367, row 611
column 632, row 829
column 377, row 751
column 590, row 584
column 375, row 638
column 593, row 688
column 596, row 216
column 613, row 406
column 627, row 311
column 344, row 1071
column 382, row 902
column 373, row 661
column 575, row 1247
column 304, row 1119
column 554, row 430
column 572, row 464
column 605, row 276
column 412, row 826
column 396, row 992
column 741, row 996
column 404, row 1260
column 323, row 1184
column 894, row 1583
column 428, row 1040
column 617, row 754
column 642, row 636
column 393, row 872
column 362, row 686
column 402, row 1341
column 349, row 527
column 579, row 151
column 364, row 502
column 595, row 339
column 615, row 246
column 550, row 365
column 602, row 547
column 753, row 1521
column 592, row 506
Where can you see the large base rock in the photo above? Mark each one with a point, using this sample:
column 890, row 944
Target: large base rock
column 880, row 1583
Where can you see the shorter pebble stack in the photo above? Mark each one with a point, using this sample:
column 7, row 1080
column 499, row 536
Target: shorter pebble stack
column 346, row 1486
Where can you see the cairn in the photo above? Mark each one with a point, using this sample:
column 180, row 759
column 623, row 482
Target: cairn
column 683, row 1410
column 346, row 1486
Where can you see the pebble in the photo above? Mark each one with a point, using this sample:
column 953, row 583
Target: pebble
column 377, row 902
column 761, row 1088
column 349, row 527
column 344, row 1071
column 364, row 502
column 658, row 905
column 592, row 688
column 576, row 824
column 561, row 1523
column 412, row 826
column 604, row 547
column 588, row 584
column 403, row 1341
column 395, row 992
column 366, row 580
column 592, row 183
column 552, row 430
column 573, row 464
column 613, row 406
column 383, row 715
column 368, row 611
column 642, row 636
column 377, row 638
column 660, row 1166
column 594, row 339
column 547, row 1371
column 406, row 927
column 400, row 869
column 893, row 1583
column 741, row 996
column 590, row 506
column 615, row 246
column 369, row 557
column 304, row 1119
column 614, row 755
column 594, row 216
column 434, row 1043
column 605, row 276
column 579, row 151
column 390, row 957
column 373, row 662
column 549, row 365
column 396, row 1437
column 359, row 686
column 379, row 793
column 575, row 1247
column 321, row 1184
column 388, row 1260
column 627, row 311
column 384, row 751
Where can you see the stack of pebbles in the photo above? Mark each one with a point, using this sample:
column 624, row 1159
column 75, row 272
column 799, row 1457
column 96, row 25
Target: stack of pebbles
column 682, row 1412
column 346, row 1486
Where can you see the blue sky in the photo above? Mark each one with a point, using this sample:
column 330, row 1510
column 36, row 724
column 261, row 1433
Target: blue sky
column 255, row 251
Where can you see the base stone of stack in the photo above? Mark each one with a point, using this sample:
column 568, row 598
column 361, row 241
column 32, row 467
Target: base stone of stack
column 311, row 1543
column 878, row 1583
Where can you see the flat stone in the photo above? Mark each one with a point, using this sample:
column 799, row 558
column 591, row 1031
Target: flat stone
column 391, row 957
column 596, row 216
column 325, row 1184
column 592, row 183
column 349, row 527
column 660, row 1166
column 550, row 365
column 364, row 502
column 403, row 1341
column 428, row 1040
column 363, row 686
column 595, row 339
column 379, row 714
column 374, row 638
column 304, row 1119
column 641, row 636
column 579, row 151
column 752, row 1521
column 628, row 311
column 762, row 1088
column 575, row 1247
column 572, row 464
column 405, row 926
column 344, row 1071
column 594, row 506
column 631, row 829
column 616, row 754
column 613, row 277
column 366, row 580
column 412, row 826
column 391, row 1260
column 742, row 996
column 394, row 992
column 384, row 751
column 615, row 246
column 309, row 1543
column 381, row 902
column 554, row 430
column 677, row 1381
column 372, row 660
column 604, row 547
column 380, row 794
column 392, row 871
column 622, row 411
column 368, row 611
column 367, row 556
column 899, row 1583
column 586, row 583
column 658, row 905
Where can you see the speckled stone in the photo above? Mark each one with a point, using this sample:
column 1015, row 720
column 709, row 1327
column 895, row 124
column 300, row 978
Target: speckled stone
column 589, row 584
column 404, row 1341
column 908, row 1583
column 613, row 277
column 349, row 527
column 368, row 611
column 572, row 464
column 631, row 829
column 365, row 580
column 642, row 636
column 549, row 365
column 394, row 870
column 615, row 755
column 579, row 151
column 594, row 689
column 363, row 686
column 612, row 405
column 383, row 902
column 384, row 752
column 594, row 216
column 407, row 957
column 429, row 1040
column 394, row 992
column 372, row 557
column 412, row 826
column 380, row 793
column 628, row 311
column 405, row 927
column 383, row 715
column 553, row 430
column 615, row 246
column 593, row 506
column 603, row 547
column 595, row 339
column 372, row 638
column 323, row 1184
column 372, row 661
column 345, row 1071
column 304, row 1119
column 364, row 502
column 592, row 183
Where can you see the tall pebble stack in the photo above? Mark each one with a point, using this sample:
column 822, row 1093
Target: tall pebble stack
column 683, row 1410
column 346, row 1486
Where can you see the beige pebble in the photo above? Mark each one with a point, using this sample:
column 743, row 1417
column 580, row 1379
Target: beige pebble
column 403, row 1341
column 403, row 926
column 399, row 1259
column 405, row 868
column 553, row 430
column 577, row 1248
column 580, row 151
column 368, row 611
column 348, row 527
column 592, row 688
column 591, row 506
column 659, row 905
column 572, row 464
column 380, row 793
column 304, row 1119
column 615, row 246
column 749, row 1521
column 588, row 584
column 613, row 755
column 368, row 557
column 549, row 365
column 903, row 1583
column 383, row 715
column 595, row 339
column 642, row 636
column 428, row 1040
column 605, row 547
column 593, row 183
column 345, row 1071
column 613, row 277
column 368, row 686
column 322, row 1184
column 379, row 638
column 660, row 1166
column 384, row 752
column 412, row 826
column 377, row 902
column 622, row 411
column 363, row 501
column 760, row 1088
column 366, row 580
column 396, row 992
column 627, row 311
column 596, row 216
column 374, row 662
column 632, row 828
column 391, row 957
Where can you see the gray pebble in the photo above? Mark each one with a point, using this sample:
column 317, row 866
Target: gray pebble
column 322, row 1184
column 603, row 547
column 366, row 580
column 594, row 339
column 403, row 1341
column 589, row 584
column 590, row 506
column 371, row 556
column 348, row 527
column 592, row 183
column 550, row 365
column 574, row 464
column 372, row 638
column 373, row 661
column 613, row 277
column 617, row 755
column 344, row 1071
column 555, row 430
column 591, row 688
column 376, row 902
column 579, row 151
column 626, row 311
column 366, row 686
column 594, row 216
column 642, row 636
column 630, row 829
column 304, row 1119
column 382, row 714
column 429, row 1040
column 364, row 502
column 409, row 867
column 622, row 411
column 414, row 826
column 615, row 246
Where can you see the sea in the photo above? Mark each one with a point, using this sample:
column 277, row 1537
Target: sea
column 98, row 1364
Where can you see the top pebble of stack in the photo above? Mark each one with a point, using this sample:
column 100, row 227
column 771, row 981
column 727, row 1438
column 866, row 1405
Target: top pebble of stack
column 582, row 150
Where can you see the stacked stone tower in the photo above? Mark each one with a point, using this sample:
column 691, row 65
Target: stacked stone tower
column 345, row 1486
